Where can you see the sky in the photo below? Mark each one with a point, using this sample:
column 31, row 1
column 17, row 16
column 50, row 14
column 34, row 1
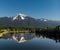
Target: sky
column 49, row 9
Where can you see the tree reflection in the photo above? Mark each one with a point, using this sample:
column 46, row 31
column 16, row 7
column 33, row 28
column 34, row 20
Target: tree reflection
column 22, row 37
column 54, row 36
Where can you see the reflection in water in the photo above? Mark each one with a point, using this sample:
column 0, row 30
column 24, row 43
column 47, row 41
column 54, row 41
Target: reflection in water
column 22, row 37
column 30, row 41
column 54, row 36
column 19, row 37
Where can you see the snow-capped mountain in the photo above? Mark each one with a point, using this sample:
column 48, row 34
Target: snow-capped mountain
column 19, row 16
column 22, row 20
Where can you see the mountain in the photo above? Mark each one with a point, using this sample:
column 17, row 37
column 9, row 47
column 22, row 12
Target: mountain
column 19, row 16
column 22, row 20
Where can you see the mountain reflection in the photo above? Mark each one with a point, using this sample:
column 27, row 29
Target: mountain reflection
column 19, row 37
column 23, row 37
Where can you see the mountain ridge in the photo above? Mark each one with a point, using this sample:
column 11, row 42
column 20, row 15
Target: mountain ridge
column 22, row 20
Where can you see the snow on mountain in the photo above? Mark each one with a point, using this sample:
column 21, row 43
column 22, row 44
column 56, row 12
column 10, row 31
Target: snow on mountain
column 43, row 19
column 19, row 16
column 22, row 20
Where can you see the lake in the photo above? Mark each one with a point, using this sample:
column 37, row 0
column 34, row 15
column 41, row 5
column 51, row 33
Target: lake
column 29, row 41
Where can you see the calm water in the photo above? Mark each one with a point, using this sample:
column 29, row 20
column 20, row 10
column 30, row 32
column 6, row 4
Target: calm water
column 29, row 41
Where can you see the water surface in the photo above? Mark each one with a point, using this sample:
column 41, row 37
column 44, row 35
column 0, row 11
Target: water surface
column 29, row 41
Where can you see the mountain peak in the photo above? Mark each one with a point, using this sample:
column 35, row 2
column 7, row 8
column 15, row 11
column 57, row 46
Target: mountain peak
column 20, row 16
column 43, row 19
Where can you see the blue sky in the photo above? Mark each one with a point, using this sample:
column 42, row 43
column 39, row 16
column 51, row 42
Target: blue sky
column 49, row 9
